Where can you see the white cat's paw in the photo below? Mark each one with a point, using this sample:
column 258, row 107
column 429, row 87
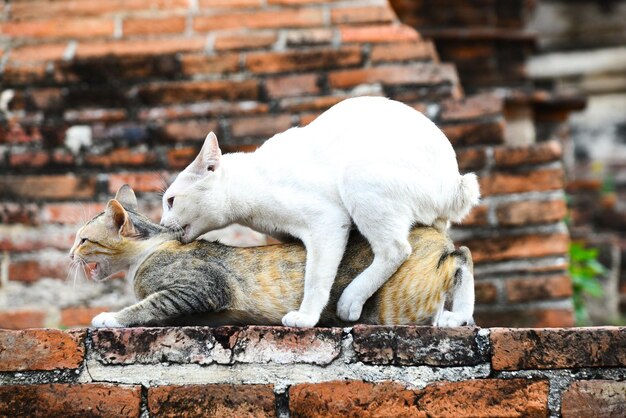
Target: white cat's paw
column 452, row 319
column 298, row 319
column 105, row 320
column 349, row 308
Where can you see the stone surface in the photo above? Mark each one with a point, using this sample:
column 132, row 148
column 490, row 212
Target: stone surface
column 64, row 400
column 409, row 345
column 41, row 349
column 594, row 398
column 212, row 400
column 519, row 349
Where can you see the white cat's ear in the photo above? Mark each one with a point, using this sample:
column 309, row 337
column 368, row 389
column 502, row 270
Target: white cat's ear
column 117, row 218
column 209, row 157
column 126, row 196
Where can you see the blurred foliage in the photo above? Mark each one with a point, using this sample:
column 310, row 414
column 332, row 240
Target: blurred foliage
column 584, row 269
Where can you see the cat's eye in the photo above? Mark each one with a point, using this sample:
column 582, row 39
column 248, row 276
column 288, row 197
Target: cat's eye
column 83, row 240
column 170, row 202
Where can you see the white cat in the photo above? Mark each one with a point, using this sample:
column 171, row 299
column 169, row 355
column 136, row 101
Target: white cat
column 368, row 162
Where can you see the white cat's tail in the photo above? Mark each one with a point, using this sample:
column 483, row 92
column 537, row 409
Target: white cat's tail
column 465, row 198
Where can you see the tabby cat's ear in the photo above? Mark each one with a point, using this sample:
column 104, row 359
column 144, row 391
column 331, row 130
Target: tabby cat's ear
column 126, row 196
column 117, row 218
column 209, row 157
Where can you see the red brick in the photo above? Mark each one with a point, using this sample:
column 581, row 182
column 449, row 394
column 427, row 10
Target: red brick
column 301, row 60
column 29, row 73
column 140, row 182
column 79, row 316
column 584, row 185
column 188, row 130
column 79, row 400
column 308, row 37
column 61, row 28
column 95, row 115
column 122, row 157
column 531, row 289
column 297, row 2
column 212, row 400
column 292, row 85
column 41, row 349
column 480, row 105
column 471, row 159
column 260, row 126
column 301, row 17
column 19, row 213
column 19, row 238
column 207, row 4
column 48, row 187
column 244, row 41
column 532, row 181
column 305, row 104
column 189, row 91
column 147, row 26
column 140, row 47
column 22, row 319
column 353, row 399
column 383, row 33
column 70, row 213
column 403, row 51
column 202, row 109
column 45, row 52
column 33, row 270
column 514, row 247
column 594, row 398
column 204, row 64
column 485, row 292
column 534, row 154
column 479, row 216
column 419, row 73
column 486, row 398
column 519, row 349
column 475, row 133
column 37, row 9
column 351, row 15
column 34, row 159
column 524, row 316
column 531, row 212
column 179, row 158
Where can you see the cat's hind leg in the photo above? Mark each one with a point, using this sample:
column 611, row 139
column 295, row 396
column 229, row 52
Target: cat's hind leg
column 462, row 294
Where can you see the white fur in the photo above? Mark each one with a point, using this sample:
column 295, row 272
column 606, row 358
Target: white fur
column 462, row 301
column 105, row 320
column 369, row 162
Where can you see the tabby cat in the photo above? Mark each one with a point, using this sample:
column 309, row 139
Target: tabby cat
column 207, row 283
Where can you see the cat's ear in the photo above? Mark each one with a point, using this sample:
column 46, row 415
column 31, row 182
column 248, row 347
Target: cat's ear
column 126, row 196
column 117, row 219
column 209, row 157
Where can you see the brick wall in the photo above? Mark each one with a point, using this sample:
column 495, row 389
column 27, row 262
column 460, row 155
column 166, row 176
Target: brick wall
column 105, row 93
column 361, row 371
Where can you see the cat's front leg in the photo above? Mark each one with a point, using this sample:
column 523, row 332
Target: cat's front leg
column 106, row 320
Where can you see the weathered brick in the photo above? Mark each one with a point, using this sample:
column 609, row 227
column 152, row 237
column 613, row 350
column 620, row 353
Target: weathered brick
column 479, row 216
column 485, row 292
column 525, row 317
column 472, row 107
column 301, row 60
column 41, row 52
column 205, row 64
column 353, row 399
column 534, row 154
column 33, row 159
column 21, row 319
column 33, row 270
column 94, row 115
column 38, row 9
column 212, row 400
column 531, row 289
column 292, row 85
column 19, row 213
column 352, row 15
column 531, row 212
column 475, row 133
column 70, row 213
column 179, row 158
column 410, row 345
column 519, row 349
column 19, row 238
column 418, row 73
column 531, row 181
column 188, row 91
column 594, row 398
column 486, row 398
column 403, row 51
column 140, row 182
column 202, row 109
column 471, row 159
column 51, row 187
column 309, row 37
column 254, row 40
column 305, row 104
column 208, row 4
column 41, row 349
column 61, row 28
column 300, row 17
column 80, row 315
column 122, row 157
column 260, row 126
column 147, row 26
column 188, row 130
column 76, row 400
column 141, row 47
column 375, row 34
column 513, row 247
column 29, row 73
